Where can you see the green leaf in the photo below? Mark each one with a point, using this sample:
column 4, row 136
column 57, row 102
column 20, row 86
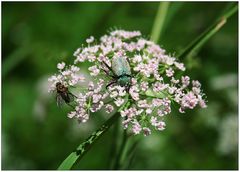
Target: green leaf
column 207, row 34
column 76, row 155
column 151, row 93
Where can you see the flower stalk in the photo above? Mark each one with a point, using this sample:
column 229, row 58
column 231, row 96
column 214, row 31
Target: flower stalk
column 159, row 21
column 117, row 163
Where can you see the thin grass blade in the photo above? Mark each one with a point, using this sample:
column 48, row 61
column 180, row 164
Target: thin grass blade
column 206, row 35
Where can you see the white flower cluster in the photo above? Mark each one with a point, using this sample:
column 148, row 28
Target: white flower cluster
column 67, row 75
column 153, row 88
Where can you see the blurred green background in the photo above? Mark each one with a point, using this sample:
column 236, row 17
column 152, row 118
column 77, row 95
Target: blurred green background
column 38, row 135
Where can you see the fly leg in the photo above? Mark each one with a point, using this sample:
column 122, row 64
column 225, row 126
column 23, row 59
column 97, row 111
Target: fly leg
column 129, row 65
column 131, row 69
column 111, row 83
column 128, row 87
column 70, row 105
column 107, row 73
column 72, row 95
column 110, row 69
column 128, row 61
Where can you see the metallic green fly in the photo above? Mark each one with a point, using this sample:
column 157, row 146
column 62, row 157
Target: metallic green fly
column 120, row 72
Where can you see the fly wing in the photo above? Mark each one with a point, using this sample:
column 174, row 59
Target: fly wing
column 59, row 100
column 71, row 97
column 120, row 66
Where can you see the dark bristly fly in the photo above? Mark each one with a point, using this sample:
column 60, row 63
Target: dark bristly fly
column 120, row 72
column 63, row 95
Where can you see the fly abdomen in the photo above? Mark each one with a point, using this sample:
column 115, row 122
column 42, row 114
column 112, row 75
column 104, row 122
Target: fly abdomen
column 65, row 97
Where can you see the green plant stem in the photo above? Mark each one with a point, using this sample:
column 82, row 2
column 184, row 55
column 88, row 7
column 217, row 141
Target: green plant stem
column 121, row 150
column 83, row 148
column 122, row 146
column 128, row 155
column 194, row 46
column 114, row 142
column 155, row 36
column 159, row 21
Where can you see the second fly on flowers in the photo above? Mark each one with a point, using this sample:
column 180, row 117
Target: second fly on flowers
column 63, row 95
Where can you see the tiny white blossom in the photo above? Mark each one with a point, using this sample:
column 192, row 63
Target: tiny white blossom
column 169, row 72
column 71, row 114
column 61, row 65
column 134, row 92
column 146, row 131
column 136, row 127
column 119, row 102
column 149, row 111
column 90, row 40
column 161, row 125
column 109, row 108
column 94, row 70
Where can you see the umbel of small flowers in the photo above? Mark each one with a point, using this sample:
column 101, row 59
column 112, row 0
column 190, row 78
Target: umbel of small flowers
column 154, row 82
